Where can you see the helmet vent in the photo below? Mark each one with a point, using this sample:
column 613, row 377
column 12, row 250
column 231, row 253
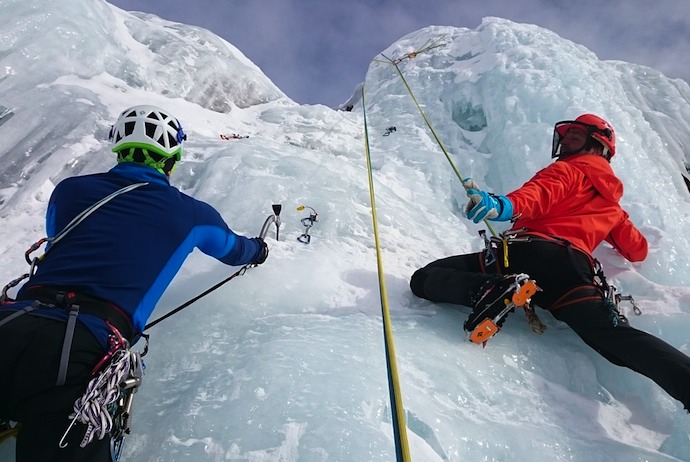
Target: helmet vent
column 139, row 156
column 156, row 157
column 150, row 130
column 149, row 135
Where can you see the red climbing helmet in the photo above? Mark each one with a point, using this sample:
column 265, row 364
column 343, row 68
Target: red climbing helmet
column 597, row 129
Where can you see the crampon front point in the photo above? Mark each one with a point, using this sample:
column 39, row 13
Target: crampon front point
column 488, row 327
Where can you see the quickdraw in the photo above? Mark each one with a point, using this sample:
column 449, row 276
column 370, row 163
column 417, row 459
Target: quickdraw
column 389, row 130
column 308, row 222
column 106, row 405
column 612, row 299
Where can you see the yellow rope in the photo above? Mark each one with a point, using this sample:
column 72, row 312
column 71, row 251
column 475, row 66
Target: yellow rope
column 535, row 323
column 411, row 55
column 399, row 426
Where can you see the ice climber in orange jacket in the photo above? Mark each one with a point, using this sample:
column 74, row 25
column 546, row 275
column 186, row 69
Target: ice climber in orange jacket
column 560, row 216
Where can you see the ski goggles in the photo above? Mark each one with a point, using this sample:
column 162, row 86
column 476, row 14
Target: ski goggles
column 562, row 128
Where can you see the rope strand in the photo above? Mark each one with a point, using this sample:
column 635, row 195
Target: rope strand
column 395, row 63
column 402, row 449
column 93, row 408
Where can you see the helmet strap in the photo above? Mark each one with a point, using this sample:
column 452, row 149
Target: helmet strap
column 169, row 166
column 595, row 145
column 606, row 154
column 143, row 156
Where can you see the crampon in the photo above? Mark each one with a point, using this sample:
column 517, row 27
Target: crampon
column 496, row 302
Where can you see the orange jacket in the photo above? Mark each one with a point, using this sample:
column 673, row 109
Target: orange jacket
column 576, row 198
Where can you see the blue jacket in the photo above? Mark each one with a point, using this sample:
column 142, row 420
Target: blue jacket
column 128, row 251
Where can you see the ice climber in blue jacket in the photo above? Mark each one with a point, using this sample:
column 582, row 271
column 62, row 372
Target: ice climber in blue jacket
column 128, row 233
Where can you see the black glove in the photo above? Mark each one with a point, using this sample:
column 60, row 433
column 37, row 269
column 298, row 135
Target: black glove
column 263, row 253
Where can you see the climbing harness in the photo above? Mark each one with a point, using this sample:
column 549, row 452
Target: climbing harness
column 612, row 299
column 595, row 289
column 106, row 405
column 308, row 222
column 51, row 241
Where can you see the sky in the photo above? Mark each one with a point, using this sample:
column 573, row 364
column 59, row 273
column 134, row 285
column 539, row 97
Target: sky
column 317, row 51
column 286, row 363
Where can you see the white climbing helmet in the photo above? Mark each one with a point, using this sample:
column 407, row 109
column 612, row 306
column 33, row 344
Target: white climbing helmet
column 152, row 130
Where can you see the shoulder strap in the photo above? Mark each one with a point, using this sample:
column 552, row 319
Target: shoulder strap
column 82, row 216
column 20, row 312
column 72, row 224
column 54, row 240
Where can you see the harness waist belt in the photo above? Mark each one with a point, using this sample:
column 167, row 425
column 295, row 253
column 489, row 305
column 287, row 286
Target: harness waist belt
column 63, row 298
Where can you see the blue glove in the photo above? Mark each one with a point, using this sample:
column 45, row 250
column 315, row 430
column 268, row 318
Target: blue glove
column 486, row 206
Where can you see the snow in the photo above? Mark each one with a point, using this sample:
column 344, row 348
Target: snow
column 286, row 363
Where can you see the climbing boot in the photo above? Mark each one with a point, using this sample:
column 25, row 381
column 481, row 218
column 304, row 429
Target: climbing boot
column 495, row 301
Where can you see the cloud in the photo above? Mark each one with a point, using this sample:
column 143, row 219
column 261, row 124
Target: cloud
column 317, row 51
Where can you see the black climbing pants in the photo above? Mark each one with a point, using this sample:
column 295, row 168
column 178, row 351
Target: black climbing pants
column 31, row 347
column 569, row 293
